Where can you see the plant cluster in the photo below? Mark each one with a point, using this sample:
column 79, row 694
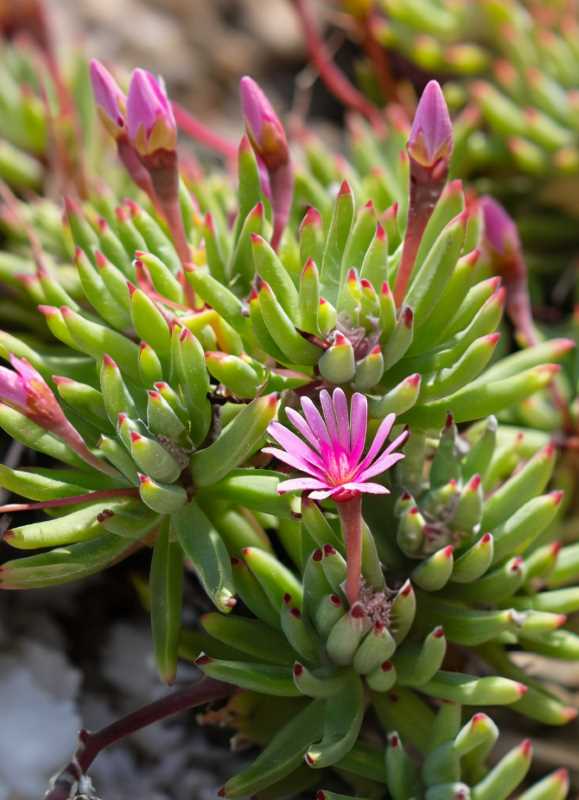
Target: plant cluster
column 285, row 383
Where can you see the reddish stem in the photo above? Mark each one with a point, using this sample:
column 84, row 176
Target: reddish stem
column 330, row 74
column 104, row 494
column 196, row 130
column 91, row 744
column 351, row 518
column 378, row 57
column 426, row 185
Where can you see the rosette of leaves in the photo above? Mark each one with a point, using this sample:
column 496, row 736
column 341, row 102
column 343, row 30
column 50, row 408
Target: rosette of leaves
column 441, row 754
column 457, row 567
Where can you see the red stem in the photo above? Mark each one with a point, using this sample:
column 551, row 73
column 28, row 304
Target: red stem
column 378, row 57
column 104, row 494
column 351, row 518
column 416, row 225
column 426, row 185
column 91, row 744
column 330, row 74
column 196, row 130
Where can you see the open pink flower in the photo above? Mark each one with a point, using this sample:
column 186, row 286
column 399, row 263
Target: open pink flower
column 332, row 453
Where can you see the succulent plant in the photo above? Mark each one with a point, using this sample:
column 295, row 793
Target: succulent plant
column 193, row 322
column 514, row 64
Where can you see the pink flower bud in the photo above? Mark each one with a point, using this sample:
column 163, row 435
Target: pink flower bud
column 150, row 119
column 264, row 128
column 431, row 135
column 499, row 229
column 110, row 100
column 26, row 391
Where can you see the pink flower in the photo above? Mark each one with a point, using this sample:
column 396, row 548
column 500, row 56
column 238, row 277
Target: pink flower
column 26, row 391
column 431, row 134
column 150, row 119
column 110, row 99
column 332, row 451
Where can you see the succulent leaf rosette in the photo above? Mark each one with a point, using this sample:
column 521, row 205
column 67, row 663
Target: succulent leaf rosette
column 365, row 556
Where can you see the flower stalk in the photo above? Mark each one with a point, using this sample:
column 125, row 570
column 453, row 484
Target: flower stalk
column 65, row 783
column 350, row 512
column 429, row 148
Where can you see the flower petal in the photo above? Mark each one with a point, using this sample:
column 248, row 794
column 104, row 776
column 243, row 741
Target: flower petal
column 340, row 404
column 294, row 461
column 372, row 488
column 318, row 426
column 381, row 435
column 302, row 426
column 384, row 462
column 358, row 426
column 299, row 485
column 12, row 388
column 398, row 442
column 293, row 444
column 329, row 416
column 323, row 495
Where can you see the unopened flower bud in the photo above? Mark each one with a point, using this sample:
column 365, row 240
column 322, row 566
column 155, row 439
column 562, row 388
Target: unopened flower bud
column 430, row 138
column 263, row 126
column 150, row 119
column 110, row 99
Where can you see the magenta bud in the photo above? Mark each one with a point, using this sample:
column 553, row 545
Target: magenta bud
column 150, row 119
column 500, row 230
column 110, row 100
column 263, row 126
column 431, row 135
